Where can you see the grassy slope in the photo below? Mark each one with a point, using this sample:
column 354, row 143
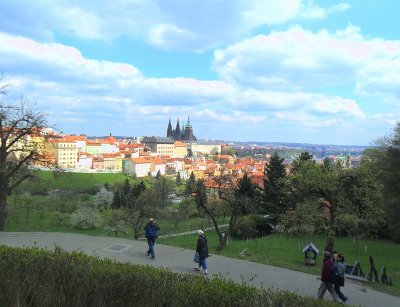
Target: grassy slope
column 285, row 251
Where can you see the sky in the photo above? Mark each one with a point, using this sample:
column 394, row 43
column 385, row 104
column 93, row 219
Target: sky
column 301, row 71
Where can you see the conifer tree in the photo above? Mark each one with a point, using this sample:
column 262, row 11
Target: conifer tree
column 191, row 184
column 274, row 186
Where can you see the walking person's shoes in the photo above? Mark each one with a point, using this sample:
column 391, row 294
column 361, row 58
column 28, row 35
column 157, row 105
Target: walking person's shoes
column 153, row 258
column 205, row 272
column 344, row 299
column 148, row 253
column 197, row 269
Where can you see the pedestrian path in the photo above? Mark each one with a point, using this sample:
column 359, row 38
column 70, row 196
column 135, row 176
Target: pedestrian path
column 181, row 260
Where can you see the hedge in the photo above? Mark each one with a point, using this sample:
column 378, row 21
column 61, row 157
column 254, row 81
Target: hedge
column 39, row 277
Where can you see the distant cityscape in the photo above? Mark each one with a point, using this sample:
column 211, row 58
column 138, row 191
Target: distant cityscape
column 178, row 152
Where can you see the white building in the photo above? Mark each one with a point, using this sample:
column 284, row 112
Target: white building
column 137, row 166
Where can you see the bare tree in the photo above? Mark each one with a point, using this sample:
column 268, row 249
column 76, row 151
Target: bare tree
column 20, row 129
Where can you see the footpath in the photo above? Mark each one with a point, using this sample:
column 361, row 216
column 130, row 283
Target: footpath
column 181, row 260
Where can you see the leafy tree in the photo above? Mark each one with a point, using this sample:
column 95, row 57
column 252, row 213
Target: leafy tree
column 384, row 161
column 163, row 188
column 275, row 186
column 18, row 122
column 104, row 198
column 85, row 218
column 315, row 181
column 182, row 211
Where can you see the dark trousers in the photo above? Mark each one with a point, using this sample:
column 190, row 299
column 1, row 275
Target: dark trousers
column 151, row 242
column 338, row 292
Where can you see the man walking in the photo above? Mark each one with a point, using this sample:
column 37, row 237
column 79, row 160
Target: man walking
column 151, row 229
column 327, row 278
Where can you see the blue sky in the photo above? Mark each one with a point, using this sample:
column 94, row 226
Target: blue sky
column 304, row 71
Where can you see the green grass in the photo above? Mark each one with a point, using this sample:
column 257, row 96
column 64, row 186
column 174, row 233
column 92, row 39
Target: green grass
column 79, row 181
column 285, row 251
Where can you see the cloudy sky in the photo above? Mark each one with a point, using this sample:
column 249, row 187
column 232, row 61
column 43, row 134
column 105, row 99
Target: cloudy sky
column 310, row 71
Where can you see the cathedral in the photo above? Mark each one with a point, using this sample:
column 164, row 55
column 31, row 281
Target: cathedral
column 184, row 134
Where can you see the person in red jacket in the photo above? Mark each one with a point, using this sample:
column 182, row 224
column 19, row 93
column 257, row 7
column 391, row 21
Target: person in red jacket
column 328, row 278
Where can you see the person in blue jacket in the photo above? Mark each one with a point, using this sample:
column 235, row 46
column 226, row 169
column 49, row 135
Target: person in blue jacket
column 151, row 229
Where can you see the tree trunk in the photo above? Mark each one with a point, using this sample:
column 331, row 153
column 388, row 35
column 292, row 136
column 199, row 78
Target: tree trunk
column 3, row 209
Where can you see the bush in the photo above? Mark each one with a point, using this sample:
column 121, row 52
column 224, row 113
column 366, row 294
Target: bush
column 60, row 219
column 85, row 218
column 36, row 277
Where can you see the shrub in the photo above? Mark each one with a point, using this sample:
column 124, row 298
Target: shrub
column 60, row 219
column 36, row 277
column 85, row 218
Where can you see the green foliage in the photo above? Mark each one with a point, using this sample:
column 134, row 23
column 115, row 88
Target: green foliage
column 35, row 277
column 275, row 186
column 384, row 160
column 245, row 227
column 191, row 184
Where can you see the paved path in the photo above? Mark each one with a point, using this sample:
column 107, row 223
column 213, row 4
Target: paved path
column 180, row 260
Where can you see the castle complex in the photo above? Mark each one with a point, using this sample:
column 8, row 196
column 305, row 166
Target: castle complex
column 186, row 134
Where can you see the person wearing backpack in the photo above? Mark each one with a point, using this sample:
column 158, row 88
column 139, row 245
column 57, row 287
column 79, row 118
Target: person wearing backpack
column 151, row 229
column 327, row 278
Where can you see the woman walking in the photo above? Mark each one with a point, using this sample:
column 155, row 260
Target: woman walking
column 340, row 268
column 202, row 250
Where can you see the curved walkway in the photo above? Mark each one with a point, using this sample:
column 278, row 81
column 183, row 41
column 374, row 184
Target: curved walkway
column 181, row 260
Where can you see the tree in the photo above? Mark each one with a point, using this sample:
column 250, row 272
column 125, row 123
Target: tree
column 19, row 123
column 163, row 188
column 384, row 161
column 304, row 157
column 104, row 198
column 116, row 203
column 246, row 188
column 200, row 198
column 191, row 184
column 275, row 186
column 178, row 180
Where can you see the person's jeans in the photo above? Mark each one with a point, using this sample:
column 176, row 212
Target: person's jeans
column 339, row 293
column 150, row 242
column 203, row 263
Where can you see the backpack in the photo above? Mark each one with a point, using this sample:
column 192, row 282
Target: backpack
column 151, row 231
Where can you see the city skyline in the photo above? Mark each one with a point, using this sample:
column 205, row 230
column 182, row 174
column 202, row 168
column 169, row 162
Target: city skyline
column 295, row 71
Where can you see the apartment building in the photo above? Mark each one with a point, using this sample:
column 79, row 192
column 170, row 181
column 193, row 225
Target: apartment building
column 65, row 152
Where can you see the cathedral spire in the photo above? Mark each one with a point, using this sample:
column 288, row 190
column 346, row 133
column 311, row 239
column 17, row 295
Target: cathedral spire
column 169, row 130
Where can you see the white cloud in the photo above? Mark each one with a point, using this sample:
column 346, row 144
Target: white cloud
column 170, row 25
column 112, row 97
column 298, row 59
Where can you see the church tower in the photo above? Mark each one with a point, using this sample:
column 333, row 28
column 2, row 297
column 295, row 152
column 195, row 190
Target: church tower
column 177, row 131
column 189, row 131
column 169, row 130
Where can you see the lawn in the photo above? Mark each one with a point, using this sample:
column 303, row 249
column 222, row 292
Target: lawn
column 79, row 182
